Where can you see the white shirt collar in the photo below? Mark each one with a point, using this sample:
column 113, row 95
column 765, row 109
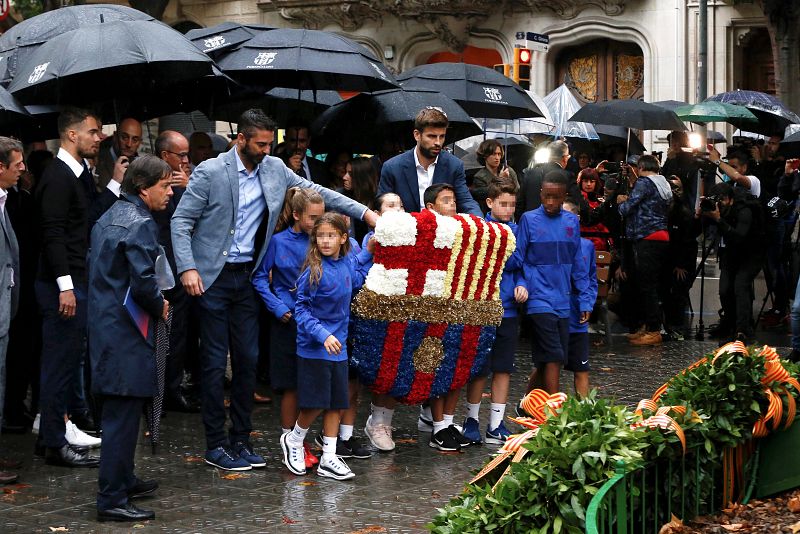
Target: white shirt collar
column 418, row 164
column 71, row 162
column 3, row 198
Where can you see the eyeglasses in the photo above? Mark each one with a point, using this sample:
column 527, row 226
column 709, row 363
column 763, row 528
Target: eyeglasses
column 181, row 155
column 437, row 108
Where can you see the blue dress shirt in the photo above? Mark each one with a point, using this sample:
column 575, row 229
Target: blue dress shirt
column 252, row 205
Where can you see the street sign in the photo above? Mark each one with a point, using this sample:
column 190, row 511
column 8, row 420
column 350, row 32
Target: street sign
column 534, row 41
column 5, row 6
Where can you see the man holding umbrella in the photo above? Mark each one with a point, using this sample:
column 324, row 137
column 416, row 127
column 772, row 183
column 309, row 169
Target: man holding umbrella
column 125, row 303
column 412, row 172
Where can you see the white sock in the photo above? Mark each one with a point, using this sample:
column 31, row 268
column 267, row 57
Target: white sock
column 328, row 447
column 425, row 413
column 439, row 425
column 387, row 416
column 473, row 410
column 448, row 419
column 373, row 412
column 345, row 432
column 297, row 435
column 496, row 413
column 285, row 430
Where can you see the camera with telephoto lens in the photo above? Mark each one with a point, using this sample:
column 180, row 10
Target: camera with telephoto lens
column 709, row 203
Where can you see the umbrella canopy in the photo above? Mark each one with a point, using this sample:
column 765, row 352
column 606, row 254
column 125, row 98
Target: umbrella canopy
column 714, row 137
column 608, row 135
column 538, row 125
column 631, row 113
column 481, row 91
column 280, row 103
column 772, row 115
column 306, row 59
column 140, row 61
column 671, row 105
column 712, row 111
column 219, row 39
column 391, row 113
column 21, row 40
column 563, row 105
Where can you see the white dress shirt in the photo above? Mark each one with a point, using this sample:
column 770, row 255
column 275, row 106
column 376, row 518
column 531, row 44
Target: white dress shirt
column 424, row 177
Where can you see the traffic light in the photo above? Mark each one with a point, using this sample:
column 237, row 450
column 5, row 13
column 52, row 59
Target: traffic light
column 504, row 69
column 522, row 67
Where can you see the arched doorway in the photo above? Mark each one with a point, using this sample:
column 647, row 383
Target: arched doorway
column 602, row 69
column 758, row 70
column 487, row 57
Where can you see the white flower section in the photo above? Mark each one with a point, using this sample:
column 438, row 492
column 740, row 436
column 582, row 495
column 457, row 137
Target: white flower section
column 434, row 283
column 385, row 281
column 395, row 229
column 446, row 230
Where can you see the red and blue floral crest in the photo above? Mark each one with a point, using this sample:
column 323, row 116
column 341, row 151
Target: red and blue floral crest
column 425, row 321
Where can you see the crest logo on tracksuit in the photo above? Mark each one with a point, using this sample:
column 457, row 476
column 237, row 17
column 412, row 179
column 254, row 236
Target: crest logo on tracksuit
column 214, row 42
column 492, row 93
column 265, row 58
column 38, row 72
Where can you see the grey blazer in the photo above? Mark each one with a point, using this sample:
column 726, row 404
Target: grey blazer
column 205, row 219
column 9, row 273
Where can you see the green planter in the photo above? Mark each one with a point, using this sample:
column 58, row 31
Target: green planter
column 778, row 468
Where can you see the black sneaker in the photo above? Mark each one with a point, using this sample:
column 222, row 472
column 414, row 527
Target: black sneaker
column 444, row 440
column 461, row 439
column 355, row 449
column 520, row 411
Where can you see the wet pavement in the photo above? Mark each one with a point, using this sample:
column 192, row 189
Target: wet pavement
column 392, row 492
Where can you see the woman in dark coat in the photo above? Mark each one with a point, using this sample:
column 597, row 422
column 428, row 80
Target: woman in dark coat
column 125, row 303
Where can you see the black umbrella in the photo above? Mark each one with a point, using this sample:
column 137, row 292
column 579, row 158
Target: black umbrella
column 481, row 91
column 631, row 113
column 306, row 59
column 221, row 38
column 365, row 121
column 773, row 117
column 671, row 105
column 280, row 103
column 19, row 41
column 124, row 61
column 155, row 406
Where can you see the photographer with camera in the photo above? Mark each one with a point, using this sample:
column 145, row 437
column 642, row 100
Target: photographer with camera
column 645, row 213
column 736, row 169
column 739, row 221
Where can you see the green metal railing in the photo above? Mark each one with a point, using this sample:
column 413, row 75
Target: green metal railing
column 641, row 501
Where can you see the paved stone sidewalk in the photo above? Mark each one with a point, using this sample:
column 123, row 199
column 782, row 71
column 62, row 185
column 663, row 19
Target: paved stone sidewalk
column 394, row 492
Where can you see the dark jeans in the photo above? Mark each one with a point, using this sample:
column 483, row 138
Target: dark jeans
column 121, row 417
column 650, row 258
column 228, row 319
column 63, row 347
column 737, row 272
column 22, row 363
column 179, row 302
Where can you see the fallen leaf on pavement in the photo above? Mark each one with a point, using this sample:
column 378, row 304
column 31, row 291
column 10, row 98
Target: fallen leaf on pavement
column 795, row 528
column 234, row 476
column 608, row 369
column 9, row 491
column 192, row 459
column 673, row 527
column 405, row 440
column 138, row 525
column 308, row 483
column 59, row 529
column 368, row 530
column 288, row 520
column 794, row 505
column 733, row 527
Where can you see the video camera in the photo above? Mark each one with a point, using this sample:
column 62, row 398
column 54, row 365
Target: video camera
column 710, row 202
column 617, row 180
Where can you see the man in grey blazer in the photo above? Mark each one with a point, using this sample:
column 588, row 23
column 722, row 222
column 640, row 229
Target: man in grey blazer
column 229, row 200
column 11, row 166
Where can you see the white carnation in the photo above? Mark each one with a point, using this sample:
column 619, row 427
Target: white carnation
column 385, row 281
column 395, row 229
column 434, row 283
column 447, row 228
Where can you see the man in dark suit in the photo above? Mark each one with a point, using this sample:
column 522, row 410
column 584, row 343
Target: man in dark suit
column 122, row 146
column 63, row 205
column 410, row 173
column 122, row 278
column 11, row 165
column 297, row 139
column 530, row 190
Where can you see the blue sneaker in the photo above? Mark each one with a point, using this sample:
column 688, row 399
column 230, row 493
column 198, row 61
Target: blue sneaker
column 245, row 452
column 471, row 430
column 224, row 458
column 498, row 436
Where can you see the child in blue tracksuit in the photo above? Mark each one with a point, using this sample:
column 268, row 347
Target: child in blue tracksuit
column 322, row 311
column 285, row 255
column 501, row 200
column 549, row 251
column 578, row 352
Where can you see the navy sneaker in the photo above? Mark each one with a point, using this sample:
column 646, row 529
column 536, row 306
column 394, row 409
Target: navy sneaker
column 353, row 448
column 445, row 440
column 224, row 458
column 497, row 436
column 471, row 430
column 245, row 452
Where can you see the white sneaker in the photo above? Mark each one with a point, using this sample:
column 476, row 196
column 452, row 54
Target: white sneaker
column 332, row 466
column 379, row 435
column 293, row 457
column 35, row 428
column 77, row 437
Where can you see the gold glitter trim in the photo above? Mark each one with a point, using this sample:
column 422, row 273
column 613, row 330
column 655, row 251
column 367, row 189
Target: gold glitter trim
column 428, row 355
column 370, row 305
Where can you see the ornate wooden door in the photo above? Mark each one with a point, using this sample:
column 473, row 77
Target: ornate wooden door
column 602, row 70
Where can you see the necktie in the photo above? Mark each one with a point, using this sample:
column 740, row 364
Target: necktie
column 302, row 172
column 87, row 180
